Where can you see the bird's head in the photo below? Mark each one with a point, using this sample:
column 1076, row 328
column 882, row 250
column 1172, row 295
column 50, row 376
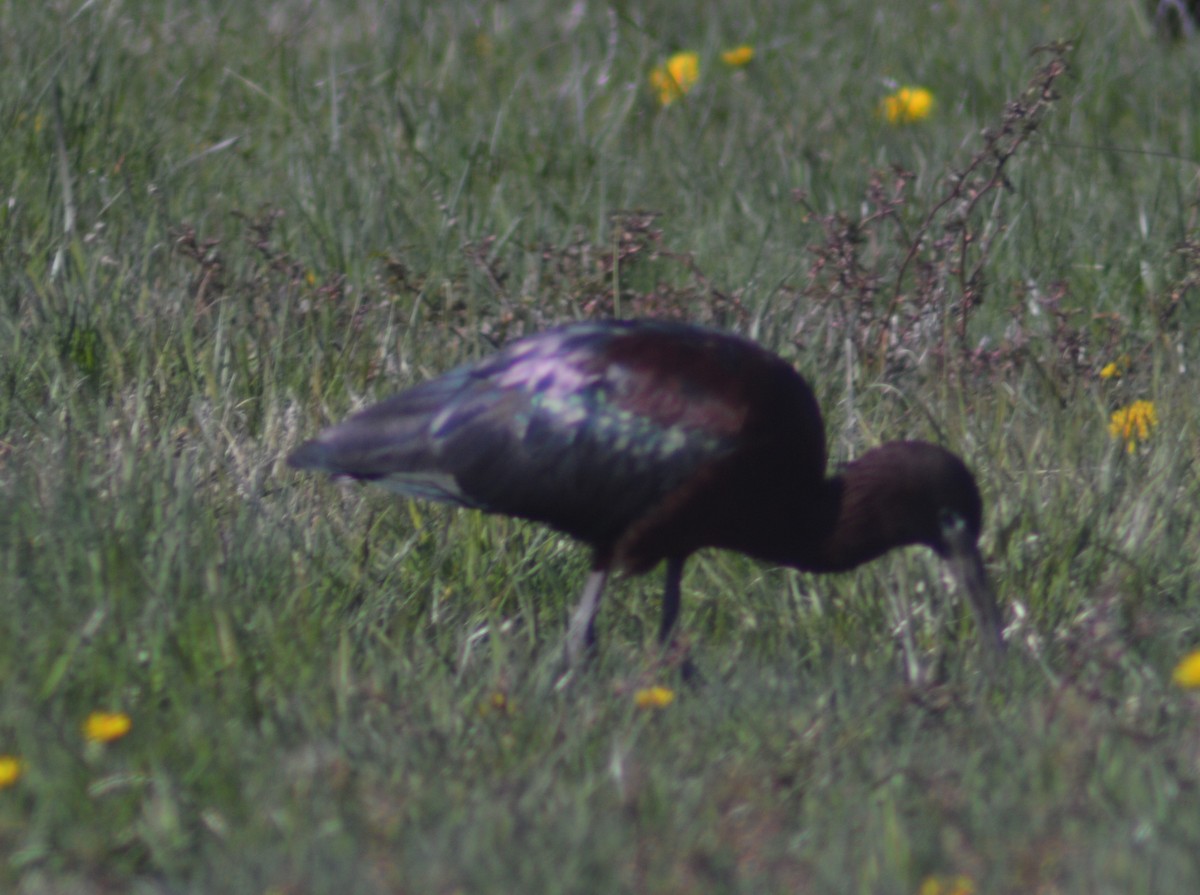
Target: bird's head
column 913, row 492
column 944, row 498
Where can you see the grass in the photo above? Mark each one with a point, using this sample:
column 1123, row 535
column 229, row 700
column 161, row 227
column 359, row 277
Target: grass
column 224, row 228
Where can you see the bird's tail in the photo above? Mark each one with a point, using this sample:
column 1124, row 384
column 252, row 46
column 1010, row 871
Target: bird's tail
column 393, row 443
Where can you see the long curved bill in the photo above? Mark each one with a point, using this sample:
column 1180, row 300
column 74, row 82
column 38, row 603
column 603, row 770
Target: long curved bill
column 966, row 565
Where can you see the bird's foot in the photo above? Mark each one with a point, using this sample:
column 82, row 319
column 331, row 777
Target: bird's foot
column 677, row 653
column 579, row 651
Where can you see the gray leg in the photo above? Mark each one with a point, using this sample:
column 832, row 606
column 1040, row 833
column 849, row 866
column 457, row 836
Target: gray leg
column 581, row 634
column 670, row 605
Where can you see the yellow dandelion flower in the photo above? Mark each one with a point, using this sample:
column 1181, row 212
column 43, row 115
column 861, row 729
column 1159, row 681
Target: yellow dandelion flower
column 1134, row 423
column 1187, row 672
column 907, row 105
column 739, row 56
column 946, row 885
column 654, row 698
column 11, row 769
column 675, row 78
column 104, row 727
column 1115, row 369
column 497, row 701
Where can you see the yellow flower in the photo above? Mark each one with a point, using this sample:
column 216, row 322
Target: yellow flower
column 104, row 727
column 1115, row 369
column 1187, row 672
column 654, row 698
column 1133, row 423
column 946, row 885
column 675, row 78
column 738, row 56
column 906, row 105
column 11, row 769
column 497, row 701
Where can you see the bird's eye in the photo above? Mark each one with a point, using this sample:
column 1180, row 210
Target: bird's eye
column 950, row 522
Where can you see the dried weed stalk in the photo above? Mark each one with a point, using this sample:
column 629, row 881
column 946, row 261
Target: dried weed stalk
column 633, row 275
column 940, row 264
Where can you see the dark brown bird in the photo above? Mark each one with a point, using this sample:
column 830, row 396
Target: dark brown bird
column 649, row 440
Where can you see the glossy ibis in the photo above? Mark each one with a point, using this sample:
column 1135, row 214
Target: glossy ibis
column 649, row 440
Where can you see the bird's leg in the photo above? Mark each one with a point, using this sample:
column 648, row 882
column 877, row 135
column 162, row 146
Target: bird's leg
column 670, row 613
column 581, row 634
column 670, row 604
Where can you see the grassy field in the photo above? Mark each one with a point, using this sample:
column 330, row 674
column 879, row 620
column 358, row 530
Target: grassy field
column 222, row 228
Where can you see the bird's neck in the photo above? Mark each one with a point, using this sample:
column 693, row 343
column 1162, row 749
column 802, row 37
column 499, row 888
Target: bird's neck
column 863, row 515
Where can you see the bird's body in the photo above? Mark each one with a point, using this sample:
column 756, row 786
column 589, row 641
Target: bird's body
column 650, row 440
